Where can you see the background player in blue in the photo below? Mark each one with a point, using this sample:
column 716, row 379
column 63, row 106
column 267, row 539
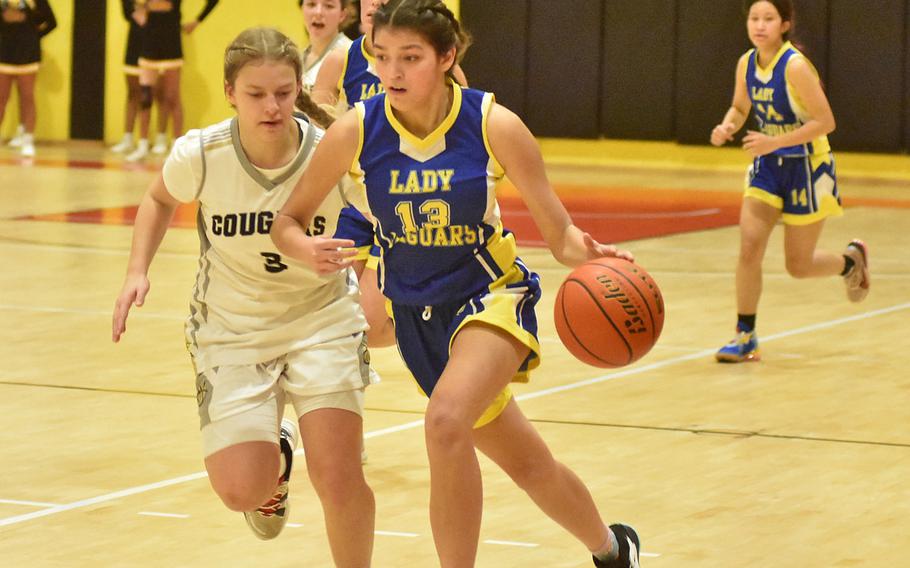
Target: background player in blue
column 792, row 177
column 264, row 329
column 430, row 153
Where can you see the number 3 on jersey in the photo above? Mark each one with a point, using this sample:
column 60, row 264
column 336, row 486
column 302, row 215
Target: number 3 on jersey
column 437, row 212
column 273, row 262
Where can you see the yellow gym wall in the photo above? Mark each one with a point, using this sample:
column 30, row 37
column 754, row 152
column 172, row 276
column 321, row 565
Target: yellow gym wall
column 202, row 76
column 52, row 88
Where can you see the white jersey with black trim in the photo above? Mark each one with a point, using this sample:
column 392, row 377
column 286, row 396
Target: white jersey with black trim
column 250, row 304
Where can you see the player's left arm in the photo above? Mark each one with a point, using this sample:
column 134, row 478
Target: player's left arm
column 190, row 26
column 518, row 153
column 45, row 19
column 804, row 81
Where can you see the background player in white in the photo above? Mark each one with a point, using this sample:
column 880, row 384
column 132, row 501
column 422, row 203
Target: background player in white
column 323, row 20
column 264, row 328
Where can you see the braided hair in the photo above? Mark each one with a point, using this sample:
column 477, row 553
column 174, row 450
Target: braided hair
column 430, row 18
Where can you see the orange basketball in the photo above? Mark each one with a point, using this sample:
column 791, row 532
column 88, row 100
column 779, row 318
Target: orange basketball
column 609, row 312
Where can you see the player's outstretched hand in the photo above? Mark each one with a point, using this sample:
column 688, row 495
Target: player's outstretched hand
column 597, row 250
column 722, row 133
column 133, row 294
column 326, row 255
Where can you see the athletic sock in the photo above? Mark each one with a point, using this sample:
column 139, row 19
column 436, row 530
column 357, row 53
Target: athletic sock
column 745, row 323
column 609, row 550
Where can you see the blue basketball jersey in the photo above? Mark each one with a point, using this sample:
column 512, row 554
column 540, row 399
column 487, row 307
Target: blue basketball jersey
column 438, row 224
column 359, row 80
column 776, row 106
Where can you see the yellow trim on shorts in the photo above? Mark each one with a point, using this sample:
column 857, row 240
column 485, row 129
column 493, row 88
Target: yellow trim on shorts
column 829, row 207
column 27, row 69
column 765, row 197
column 495, row 409
column 499, row 312
column 160, row 65
column 131, row 70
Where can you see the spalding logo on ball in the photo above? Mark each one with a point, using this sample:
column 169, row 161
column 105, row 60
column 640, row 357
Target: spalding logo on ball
column 609, row 312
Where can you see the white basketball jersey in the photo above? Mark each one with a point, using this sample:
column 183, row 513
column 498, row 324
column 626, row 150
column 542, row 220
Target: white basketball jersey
column 250, row 304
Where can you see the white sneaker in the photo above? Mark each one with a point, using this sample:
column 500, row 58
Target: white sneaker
column 161, row 145
column 857, row 280
column 141, row 151
column 27, row 149
column 267, row 521
column 16, row 140
column 125, row 144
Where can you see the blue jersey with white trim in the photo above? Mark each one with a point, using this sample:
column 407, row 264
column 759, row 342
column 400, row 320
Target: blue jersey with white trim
column 776, row 106
column 438, row 224
column 359, row 80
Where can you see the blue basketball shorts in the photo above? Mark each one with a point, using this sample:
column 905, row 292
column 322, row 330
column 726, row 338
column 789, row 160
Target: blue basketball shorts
column 803, row 188
column 425, row 333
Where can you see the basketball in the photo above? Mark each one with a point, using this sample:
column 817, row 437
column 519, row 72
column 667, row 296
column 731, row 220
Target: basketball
column 609, row 312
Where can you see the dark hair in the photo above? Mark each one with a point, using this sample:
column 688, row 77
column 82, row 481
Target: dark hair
column 784, row 8
column 430, row 18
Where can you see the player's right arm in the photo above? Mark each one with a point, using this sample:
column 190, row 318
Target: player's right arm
column 332, row 158
column 152, row 220
column 738, row 112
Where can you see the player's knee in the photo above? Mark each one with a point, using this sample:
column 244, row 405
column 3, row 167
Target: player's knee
column 751, row 253
column 146, row 97
column 337, row 488
column 445, row 427
column 799, row 267
column 239, row 495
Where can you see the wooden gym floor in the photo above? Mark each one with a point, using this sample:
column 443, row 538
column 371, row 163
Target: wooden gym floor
column 800, row 460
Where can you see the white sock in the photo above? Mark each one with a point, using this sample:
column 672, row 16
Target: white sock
column 610, row 548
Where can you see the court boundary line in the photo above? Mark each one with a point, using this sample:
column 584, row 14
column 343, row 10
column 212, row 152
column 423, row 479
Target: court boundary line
column 9, row 521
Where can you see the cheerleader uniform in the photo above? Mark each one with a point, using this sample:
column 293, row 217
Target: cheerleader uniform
column 133, row 40
column 22, row 25
column 162, row 46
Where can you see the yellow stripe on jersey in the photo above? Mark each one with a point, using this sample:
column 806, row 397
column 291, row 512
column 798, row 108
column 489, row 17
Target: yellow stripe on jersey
column 495, row 168
column 820, row 145
column 424, row 144
column 344, row 70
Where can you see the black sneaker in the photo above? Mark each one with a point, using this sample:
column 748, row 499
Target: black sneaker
column 629, row 546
